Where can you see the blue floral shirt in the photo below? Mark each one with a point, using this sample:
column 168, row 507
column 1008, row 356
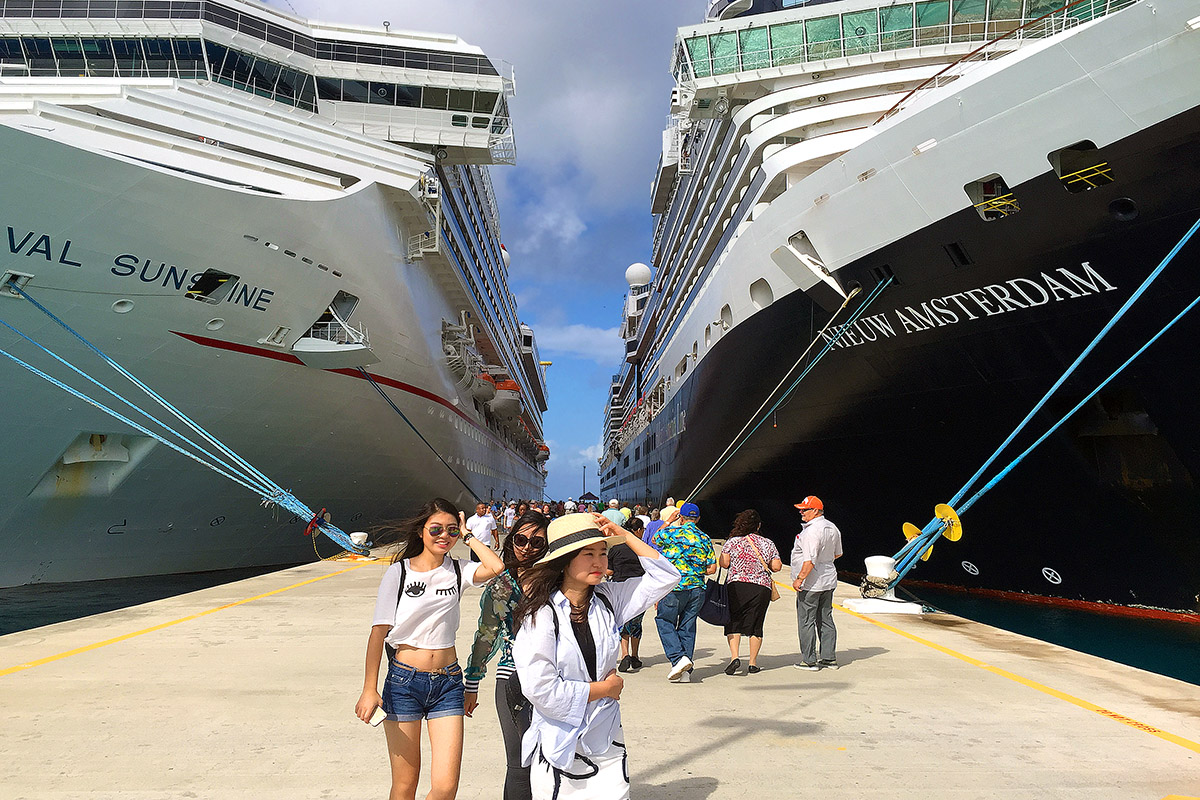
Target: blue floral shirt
column 689, row 549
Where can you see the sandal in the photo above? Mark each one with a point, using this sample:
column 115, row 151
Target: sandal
column 733, row 667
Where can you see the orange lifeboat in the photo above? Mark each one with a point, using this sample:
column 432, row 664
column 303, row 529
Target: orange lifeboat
column 507, row 402
column 543, row 454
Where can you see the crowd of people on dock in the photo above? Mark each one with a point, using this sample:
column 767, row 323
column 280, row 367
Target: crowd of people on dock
column 562, row 613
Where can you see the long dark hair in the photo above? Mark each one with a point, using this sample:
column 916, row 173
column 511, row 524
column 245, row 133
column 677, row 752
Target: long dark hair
column 407, row 532
column 745, row 523
column 508, row 553
column 539, row 583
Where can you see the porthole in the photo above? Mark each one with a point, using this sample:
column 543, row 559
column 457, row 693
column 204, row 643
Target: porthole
column 123, row 306
column 761, row 294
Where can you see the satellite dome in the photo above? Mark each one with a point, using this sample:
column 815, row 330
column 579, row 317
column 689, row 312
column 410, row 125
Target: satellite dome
column 638, row 275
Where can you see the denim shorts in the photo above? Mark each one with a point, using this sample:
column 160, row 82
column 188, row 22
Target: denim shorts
column 409, row 695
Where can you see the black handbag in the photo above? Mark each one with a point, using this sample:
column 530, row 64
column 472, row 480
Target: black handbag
column 715, row 609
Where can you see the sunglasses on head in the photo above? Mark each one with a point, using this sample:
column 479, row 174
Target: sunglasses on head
column 521, row 540
column 438, row 530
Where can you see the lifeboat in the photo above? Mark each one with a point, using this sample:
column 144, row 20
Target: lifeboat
column 484, row 387
column 543, row 454
column 507, row 402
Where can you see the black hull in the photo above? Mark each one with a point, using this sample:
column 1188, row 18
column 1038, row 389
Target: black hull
column 885, row 429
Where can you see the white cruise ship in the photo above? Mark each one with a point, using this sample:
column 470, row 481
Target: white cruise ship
column 883, row 229
column 270, row 222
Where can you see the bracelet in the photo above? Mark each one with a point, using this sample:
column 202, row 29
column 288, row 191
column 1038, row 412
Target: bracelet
column 468, row 536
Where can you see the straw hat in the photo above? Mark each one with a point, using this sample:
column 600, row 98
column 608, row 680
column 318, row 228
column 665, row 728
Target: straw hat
column 572, row 532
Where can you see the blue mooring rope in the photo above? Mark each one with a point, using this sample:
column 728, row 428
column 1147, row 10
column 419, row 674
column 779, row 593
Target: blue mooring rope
column 244, row 474
column 908, row 555
column 803, row 374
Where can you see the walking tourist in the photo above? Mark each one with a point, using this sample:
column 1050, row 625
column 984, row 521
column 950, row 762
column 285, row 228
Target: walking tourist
column 416, row 619
column 623, row 564
column 510, row 515
column 750, row 559
column 814, row 577
column 523, row 546
column 691, row 552
column 481, row 525
column 566, row 654
column 613, row 512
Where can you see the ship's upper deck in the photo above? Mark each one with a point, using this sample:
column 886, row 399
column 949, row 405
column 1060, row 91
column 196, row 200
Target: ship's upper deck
column 761, row 46
column 434, row 91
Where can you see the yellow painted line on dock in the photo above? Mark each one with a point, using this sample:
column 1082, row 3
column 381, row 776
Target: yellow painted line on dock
column 1032, row 684
column 181, row 620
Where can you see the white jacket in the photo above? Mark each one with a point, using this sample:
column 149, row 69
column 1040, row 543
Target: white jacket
column 554, row 676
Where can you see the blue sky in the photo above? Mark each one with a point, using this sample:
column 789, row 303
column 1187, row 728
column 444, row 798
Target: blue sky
column 593, row 88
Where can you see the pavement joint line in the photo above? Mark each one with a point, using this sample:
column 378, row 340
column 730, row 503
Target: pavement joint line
column 161, row 626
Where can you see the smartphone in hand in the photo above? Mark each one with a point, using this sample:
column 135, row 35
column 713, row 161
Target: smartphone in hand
column 378, row 717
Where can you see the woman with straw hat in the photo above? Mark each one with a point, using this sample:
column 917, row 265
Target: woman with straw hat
column 566, row 656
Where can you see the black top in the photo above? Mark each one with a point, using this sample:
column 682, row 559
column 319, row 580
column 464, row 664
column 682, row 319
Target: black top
column 624, row 563
column 583, row 635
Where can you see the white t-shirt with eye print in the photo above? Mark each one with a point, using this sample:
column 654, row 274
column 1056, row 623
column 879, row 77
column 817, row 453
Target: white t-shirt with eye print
column 427, row 613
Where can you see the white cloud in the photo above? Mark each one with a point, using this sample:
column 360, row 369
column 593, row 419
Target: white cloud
column 550, row 222
column 602, row 345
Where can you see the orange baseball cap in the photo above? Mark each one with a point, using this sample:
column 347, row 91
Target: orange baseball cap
column 811, row 502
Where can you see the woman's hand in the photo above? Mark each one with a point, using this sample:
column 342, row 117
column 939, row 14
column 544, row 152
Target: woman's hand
column 616, row 684
column 607, row 526
column 470, row 702
column 368, row 701
column 462, row 523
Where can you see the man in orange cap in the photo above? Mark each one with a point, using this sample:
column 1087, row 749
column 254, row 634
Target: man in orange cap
column 814, row 577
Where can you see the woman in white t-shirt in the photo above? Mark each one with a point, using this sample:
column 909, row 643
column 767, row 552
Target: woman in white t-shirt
column 416, row 619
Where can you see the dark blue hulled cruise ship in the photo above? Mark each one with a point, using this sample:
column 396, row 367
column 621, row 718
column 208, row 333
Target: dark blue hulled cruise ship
column 976, row 186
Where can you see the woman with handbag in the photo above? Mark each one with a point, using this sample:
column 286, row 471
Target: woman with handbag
column 524, row 545
column 750, row 559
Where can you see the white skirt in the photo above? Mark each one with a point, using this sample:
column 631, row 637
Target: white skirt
column 597, row 777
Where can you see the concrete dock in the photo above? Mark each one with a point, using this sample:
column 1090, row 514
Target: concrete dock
column 247, row 690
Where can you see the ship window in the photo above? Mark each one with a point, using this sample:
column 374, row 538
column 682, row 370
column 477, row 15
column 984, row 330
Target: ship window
column 992, row 198
column 485, row 102
column 479, row 122
column 212, row 286
column 882, row 274
column 707, row 336
column 461, row 100
column 434, row 98
column 726, row 316
column 761, row 294
column 459, row 120
column 958, row 254
column 1080, row 167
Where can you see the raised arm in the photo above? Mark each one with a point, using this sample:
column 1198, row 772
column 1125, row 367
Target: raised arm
column 490, row 564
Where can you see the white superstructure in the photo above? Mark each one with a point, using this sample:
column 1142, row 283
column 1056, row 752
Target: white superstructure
column 252, row 213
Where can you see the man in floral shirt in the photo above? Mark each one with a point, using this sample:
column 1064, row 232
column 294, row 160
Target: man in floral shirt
column 691, row 552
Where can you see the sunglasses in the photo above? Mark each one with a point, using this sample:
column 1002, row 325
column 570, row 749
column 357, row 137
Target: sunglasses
column 521, row 540
column 438, row 530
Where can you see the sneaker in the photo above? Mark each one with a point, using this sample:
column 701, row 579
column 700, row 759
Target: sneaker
column 685, row 678
column 733, row 667
column 806, row 667
column 754, row 669
column 827, row 664
column 635, row 662
column 679, row 669
column 626, row 665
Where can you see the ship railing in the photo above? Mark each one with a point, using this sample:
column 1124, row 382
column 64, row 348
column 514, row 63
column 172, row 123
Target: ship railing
column 893, row 27
column 340, row 332
column 1065, row 17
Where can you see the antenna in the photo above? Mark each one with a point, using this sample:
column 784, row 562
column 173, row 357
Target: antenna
column 387, row 26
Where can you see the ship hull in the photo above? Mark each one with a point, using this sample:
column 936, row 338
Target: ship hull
column 887, row 425
column 324, row 434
